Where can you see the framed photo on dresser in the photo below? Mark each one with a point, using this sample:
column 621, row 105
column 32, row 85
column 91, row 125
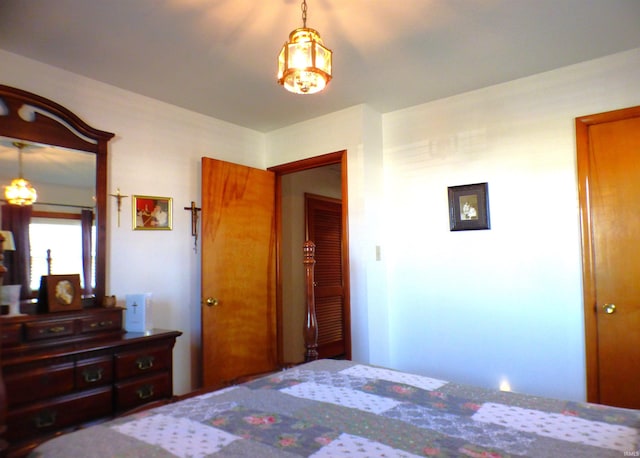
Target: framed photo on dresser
column 60, row 293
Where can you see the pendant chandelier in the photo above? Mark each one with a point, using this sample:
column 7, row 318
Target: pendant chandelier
column 20, row 192
column 304, row 64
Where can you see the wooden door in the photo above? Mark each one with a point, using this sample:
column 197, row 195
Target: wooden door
column 238, row 272
column 324, row 229
column 609, row 180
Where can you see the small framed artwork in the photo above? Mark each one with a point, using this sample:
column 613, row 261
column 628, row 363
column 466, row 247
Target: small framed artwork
column 469, row 207
column 152, row 213
column 60, row 293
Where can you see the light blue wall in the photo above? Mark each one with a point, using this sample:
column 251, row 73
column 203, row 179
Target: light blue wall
column 504, row 304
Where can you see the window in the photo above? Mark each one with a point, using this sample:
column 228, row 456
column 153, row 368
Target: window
column 64, row 238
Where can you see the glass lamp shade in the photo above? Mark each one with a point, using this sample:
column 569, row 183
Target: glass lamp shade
column 304, row 64
column 20, row 192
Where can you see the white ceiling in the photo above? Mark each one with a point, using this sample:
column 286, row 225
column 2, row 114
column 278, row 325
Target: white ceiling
column 218, row 57
column 47, row 164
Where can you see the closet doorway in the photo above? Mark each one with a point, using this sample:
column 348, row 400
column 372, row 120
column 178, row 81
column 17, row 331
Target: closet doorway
column 323, row 226
column 324, row 175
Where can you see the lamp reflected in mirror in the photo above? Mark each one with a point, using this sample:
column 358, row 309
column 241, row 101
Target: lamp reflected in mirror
column 20, row 191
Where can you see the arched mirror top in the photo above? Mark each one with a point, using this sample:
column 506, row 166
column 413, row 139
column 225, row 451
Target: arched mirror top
column 33, row 118
column 28, row 117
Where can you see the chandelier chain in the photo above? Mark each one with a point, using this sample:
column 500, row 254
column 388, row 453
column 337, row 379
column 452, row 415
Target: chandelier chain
column 20, row 147
column 303, row 7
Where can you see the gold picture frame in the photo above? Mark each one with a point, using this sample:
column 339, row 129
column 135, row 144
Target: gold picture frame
column 151, row 213
column 60, row 293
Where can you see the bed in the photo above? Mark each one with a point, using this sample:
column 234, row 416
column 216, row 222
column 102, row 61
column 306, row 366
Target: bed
column 332, row 408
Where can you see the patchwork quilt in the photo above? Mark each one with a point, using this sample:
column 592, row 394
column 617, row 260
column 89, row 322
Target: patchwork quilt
column 339, row 408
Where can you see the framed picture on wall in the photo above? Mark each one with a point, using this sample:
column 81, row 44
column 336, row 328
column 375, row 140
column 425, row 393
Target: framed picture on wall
column 469, row 207
column 152, row 213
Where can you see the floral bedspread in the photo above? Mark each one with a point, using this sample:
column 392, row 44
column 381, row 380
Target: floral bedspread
column 340, row 408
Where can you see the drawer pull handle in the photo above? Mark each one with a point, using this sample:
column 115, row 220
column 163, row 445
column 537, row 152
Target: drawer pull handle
column 145, row 362
column 101, row 324
column 45, row 419
column 145, row 391
column 54, row 330
column 92, row 375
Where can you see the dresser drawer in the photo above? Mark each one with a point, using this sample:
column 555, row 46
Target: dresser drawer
column 141, row 390
column 103, row 322
column 49, row 329
column 60, row 372
column 92, row 372
column 142, row 361
column 11, row 334
column 59, row 413
column 39, row 382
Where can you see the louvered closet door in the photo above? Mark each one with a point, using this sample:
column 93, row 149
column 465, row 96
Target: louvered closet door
column 324, row 228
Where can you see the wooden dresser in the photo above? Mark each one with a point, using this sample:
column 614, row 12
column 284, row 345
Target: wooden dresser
column 65, row 370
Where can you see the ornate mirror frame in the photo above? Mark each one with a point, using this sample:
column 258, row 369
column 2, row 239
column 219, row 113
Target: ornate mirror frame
column 30, row 117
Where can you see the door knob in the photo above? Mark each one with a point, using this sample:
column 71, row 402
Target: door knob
column 211, row 302
column 609, row 308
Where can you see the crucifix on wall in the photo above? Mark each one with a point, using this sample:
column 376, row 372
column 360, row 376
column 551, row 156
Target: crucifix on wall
column 119, row 198
column 194, row 224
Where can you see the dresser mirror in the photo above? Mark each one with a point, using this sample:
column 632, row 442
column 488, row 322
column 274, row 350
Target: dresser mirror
column 64, row 158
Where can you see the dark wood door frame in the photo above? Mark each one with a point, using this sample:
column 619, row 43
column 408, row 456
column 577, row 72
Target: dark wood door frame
column 339, row 157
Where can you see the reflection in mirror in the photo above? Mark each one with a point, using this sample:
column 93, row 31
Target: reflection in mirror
column 65, row 183
column 66, row 161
